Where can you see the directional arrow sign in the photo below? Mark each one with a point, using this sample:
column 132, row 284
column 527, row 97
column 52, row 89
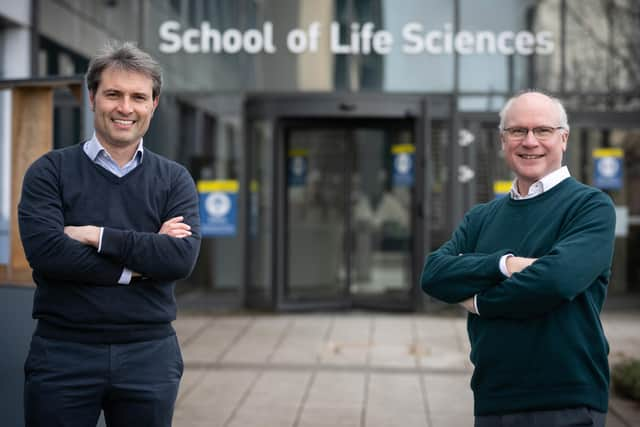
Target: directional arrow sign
column 465, row 138
column 465, row 174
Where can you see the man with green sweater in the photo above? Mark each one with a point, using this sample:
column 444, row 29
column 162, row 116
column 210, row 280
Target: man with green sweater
column 532, row 269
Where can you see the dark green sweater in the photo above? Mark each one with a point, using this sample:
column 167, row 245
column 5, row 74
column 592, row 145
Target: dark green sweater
column 538, row 343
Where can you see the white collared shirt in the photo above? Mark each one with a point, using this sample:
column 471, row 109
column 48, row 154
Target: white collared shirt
column 545, row 183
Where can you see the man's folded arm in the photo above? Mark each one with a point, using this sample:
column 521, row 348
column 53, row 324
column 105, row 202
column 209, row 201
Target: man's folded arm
column 160, row 256
column 453, row 273
column 582, row 254
column 48, row 249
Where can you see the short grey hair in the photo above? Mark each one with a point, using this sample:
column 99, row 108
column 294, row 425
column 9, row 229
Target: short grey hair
column 564, row 121
column 126, row 56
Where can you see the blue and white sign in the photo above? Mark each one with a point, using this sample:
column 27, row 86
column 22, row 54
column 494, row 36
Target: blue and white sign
column 218, row 207
column 297, row 167
column 608, row 168
column 403, row 165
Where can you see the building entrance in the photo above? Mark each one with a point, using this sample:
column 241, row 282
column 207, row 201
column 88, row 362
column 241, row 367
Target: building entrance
column 337, row 202
column 349, row 197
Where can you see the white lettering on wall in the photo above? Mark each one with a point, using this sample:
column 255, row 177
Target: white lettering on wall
column 297, row 41
column 206, row 39
column 545, row 43
column 354, row 39
column 170, row 40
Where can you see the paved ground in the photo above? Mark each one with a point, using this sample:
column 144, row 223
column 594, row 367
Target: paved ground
column 348, row 369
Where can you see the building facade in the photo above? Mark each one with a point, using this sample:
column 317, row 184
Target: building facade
column 336, row 142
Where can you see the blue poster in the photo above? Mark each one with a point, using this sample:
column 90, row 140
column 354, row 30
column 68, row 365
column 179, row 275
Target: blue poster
column 607, row 168
column 218, row 207
column 403, row 165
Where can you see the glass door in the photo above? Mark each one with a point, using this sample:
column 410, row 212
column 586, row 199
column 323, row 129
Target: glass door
column 317, row 191
column 349, row 193
column 382, row 189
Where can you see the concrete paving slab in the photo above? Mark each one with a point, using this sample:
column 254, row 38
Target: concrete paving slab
column 624, row 412
column 435, row 357
column 211, row 343
column 623, row 332
column 438, row 331
column 259, row 341
column 393, row 341
column 214, row 399
column 461, row 330
column 304, row 342
column 343, row 370
column 451, row 420
column 190, row 326
column 349, row 341
column 439, row 344
column 395, row 400
column 274, row 400
column 448, row 394
column 334, row 399
column 190, row 378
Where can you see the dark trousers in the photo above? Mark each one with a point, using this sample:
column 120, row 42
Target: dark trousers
column 557, row 418
column 68, row 384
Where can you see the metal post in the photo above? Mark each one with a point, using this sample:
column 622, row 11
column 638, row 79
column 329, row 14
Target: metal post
column 563, row 46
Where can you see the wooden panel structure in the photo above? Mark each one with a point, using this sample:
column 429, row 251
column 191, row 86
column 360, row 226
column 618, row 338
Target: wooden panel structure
column 31, row 137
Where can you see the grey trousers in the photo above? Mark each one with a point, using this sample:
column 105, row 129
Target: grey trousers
column 582, row 416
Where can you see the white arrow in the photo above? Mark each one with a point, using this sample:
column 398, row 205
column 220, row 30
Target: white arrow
column 465, row 137
column 465, row 174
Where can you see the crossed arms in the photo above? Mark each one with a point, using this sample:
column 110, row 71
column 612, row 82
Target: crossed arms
column 514, row 264
column 580, row 256
column 91, row 234
column 69, row 254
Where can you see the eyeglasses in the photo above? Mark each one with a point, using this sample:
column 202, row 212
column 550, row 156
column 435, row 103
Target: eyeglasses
column 541, row 133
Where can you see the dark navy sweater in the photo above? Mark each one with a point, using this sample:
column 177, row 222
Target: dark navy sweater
column 77, row 296
column 538, row 343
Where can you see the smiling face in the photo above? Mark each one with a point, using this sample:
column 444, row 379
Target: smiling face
column 529, row 158
column 123, row 105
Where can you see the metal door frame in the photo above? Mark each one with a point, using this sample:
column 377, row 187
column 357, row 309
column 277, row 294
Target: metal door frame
column 339, row 107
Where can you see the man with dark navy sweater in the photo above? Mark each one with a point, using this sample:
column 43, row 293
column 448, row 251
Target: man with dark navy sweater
column 532, row 270
column 108, row 227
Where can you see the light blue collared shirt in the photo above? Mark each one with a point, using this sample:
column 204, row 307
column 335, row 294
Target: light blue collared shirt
column 101, row 157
